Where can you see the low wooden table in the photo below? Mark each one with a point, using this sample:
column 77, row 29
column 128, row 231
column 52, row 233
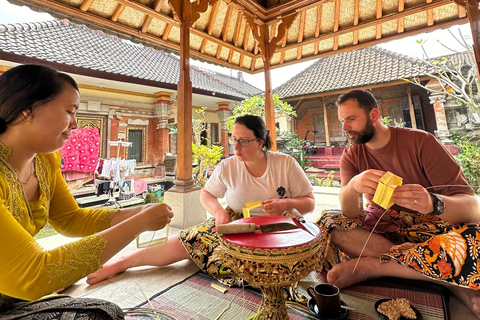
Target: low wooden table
column 273, row 260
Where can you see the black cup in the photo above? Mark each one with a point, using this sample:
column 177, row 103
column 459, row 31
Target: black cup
column 327, row 298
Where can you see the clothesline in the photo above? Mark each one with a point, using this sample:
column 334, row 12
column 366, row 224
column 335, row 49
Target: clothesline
column 116, row 169
column 120, row 143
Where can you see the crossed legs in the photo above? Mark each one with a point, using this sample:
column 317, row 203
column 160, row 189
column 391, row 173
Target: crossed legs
column 369, row 267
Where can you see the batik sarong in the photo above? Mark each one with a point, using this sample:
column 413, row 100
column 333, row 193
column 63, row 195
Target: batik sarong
column 59, row 307
column 425, row 243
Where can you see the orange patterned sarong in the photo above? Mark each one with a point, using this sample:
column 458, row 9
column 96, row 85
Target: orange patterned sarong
column 430, row 245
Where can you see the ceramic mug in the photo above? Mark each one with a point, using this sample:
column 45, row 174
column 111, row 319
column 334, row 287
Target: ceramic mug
column 327, row 298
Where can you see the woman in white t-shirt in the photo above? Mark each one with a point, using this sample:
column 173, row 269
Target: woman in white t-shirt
column 253, row 174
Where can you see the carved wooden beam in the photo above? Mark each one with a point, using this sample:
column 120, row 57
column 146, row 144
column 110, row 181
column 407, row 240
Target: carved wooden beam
column 266, row 43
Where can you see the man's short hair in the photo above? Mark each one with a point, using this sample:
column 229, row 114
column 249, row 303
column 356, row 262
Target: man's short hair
column 365, row 99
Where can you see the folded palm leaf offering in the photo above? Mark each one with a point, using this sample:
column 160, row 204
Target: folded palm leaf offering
column 387, row 184
column 249, row 206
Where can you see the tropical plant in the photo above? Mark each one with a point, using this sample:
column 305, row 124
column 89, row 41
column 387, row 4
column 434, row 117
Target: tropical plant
column 151, row 198
column 387, row 120
column 296, row 146
column 328, row 181
column 256, row 106
column 294, row 141
column 206, row 157
column 468, row 158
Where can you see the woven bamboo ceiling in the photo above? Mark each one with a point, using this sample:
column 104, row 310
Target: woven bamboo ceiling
column 295, row 30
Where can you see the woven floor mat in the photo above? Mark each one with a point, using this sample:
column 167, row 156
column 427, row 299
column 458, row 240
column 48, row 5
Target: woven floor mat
column 195, row 298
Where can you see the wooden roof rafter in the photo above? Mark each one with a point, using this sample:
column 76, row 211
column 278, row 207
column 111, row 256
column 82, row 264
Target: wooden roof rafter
column 223, row 35
column 157, row 5
column 371, row 23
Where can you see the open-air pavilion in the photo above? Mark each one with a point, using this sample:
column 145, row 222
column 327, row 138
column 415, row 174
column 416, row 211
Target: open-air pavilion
column 257, row 35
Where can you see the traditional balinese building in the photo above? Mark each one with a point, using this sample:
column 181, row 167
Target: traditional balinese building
column 313, row 93
column 128, row 91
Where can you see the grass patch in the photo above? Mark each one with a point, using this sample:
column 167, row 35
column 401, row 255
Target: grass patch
column 46, row 231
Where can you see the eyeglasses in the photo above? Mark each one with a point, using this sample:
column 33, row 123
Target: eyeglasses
column 241, row 142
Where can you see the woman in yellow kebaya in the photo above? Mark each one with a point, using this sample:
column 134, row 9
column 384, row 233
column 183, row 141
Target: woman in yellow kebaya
column 38, row 106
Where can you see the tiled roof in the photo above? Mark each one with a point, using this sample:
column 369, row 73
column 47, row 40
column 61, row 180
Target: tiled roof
column 358, row 68
column 462, row 57
column 63, row 42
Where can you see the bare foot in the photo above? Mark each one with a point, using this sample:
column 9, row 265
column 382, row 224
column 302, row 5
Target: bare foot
column 469, row 297
column 342, row 274
column 109, row 269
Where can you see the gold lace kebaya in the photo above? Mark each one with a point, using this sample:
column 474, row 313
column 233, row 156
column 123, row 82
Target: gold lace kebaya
column 27, row 271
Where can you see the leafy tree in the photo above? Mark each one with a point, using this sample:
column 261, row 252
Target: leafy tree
column 256, row 106
column 456, row 80
column 206, row 157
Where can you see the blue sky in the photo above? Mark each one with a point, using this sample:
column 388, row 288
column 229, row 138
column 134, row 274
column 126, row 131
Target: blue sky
column 10, row 14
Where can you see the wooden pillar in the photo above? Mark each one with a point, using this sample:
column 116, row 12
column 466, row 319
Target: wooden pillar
column 410, row 107
column 473, row 14
column 325, row 120
column 268, row 45
column 186, row 13
column 184, row 113
column 269, row 107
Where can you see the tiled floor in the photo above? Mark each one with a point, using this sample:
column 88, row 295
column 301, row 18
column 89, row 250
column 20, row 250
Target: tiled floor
column 134, row 286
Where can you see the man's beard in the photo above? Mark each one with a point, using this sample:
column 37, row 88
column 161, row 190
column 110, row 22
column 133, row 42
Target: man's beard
column 365, row 135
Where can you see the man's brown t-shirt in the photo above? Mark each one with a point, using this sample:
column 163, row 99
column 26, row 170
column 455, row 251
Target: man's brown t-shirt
column 414, row 155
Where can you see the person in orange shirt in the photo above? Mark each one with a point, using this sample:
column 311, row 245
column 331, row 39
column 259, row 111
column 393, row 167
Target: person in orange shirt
column 38, row 106
column 431, row 232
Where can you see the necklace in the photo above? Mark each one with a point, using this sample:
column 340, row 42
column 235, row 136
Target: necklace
column 31, row 174
column 9, row 167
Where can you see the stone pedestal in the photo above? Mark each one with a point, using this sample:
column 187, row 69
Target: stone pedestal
column 187, row 208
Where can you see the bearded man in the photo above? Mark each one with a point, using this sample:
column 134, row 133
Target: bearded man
column 431, row 233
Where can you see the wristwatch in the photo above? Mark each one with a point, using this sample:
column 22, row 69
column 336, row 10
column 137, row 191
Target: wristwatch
column 438, row 205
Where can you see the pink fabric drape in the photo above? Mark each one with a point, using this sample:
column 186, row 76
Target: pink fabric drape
column 81, row 151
